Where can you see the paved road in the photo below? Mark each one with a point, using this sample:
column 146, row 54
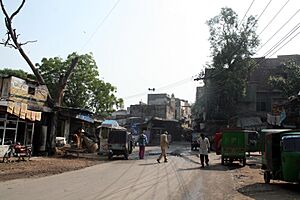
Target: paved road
column 180, row 178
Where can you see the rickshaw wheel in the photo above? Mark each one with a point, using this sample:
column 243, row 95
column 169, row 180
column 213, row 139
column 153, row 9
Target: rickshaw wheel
column 267, row 177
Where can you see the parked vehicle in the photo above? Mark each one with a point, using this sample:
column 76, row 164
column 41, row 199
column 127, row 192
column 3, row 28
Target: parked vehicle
column 233, row 146
column 120, row 142
column 103, row 133
column 194, row 141
column 282, row 156
column 261, row 144
column 17, row 151
column 217, row 142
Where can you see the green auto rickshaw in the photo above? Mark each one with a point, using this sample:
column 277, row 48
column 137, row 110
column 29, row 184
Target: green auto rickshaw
column 261, row 142
column 282, row 156
column 233, row 146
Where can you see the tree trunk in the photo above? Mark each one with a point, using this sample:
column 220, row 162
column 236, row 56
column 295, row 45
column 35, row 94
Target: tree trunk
column 56, row 102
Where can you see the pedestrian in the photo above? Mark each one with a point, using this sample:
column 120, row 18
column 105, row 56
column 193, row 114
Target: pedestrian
column 164, row 145
column 142, row 143
column 204, row 149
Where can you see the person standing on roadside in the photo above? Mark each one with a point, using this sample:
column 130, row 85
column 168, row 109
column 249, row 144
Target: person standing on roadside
column 142, row 143
column 204, row 149
column 164, row 145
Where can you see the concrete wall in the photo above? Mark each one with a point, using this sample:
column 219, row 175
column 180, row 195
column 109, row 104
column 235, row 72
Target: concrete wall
column 158, row 99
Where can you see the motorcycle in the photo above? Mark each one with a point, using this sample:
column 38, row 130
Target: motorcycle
column 17, row 151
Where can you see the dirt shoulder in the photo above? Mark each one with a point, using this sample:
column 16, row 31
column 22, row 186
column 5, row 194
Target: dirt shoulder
column 249, row 183
column 43, row 166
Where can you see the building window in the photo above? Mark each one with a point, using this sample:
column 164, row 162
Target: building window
column 261, row 106
column 31, row 90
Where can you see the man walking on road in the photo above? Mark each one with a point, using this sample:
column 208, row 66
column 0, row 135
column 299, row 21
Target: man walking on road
column 204, row 149
column 164, row 145
column 142, row 143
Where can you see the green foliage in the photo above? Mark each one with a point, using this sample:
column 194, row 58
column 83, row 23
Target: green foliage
column 17, row 72
column 84, row 88
column 232, row 45
column 289, row 81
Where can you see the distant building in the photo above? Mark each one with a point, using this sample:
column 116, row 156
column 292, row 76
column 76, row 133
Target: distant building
column 260, row 99
column 163, row 106
column 121, row 116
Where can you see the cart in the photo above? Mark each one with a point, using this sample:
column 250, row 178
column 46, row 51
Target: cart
column 233, row 146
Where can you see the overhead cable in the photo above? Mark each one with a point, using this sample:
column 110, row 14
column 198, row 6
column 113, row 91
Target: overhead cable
column 264, row 10
column 172, row 85
column 285, row 43
column 273, row 18
column 246, row 13
column 279, row 29
column 283, row 39
column 100, row 24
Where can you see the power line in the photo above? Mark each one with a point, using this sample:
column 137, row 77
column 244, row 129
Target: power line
column 100, row 24
column 268, row 52
column 283, row 39
column 273, row 18
column 264, row 10
column 286, row 43
column 178, row 83
column 279, row 29
column 237, row 49
column 246, row 12
column 172, row 85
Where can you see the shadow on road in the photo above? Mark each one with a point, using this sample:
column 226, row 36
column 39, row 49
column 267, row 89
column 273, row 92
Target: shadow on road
column 145, row 164
column 274, row 191
column 215, row 167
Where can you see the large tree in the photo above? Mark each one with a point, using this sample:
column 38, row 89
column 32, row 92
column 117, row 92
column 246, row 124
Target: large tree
column 84, row 88
column 12, row 41
column 232, row 44
column 289, row 81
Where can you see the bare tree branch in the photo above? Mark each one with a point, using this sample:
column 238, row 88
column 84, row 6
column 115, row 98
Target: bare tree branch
column 4, row 11
column 18, row 10
column 32, row 41
column 6, row 44
column 14, row 37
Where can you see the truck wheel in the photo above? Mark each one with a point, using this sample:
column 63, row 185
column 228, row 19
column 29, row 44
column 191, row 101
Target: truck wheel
column 267, row 177
column 110, row 155
column 126, row 156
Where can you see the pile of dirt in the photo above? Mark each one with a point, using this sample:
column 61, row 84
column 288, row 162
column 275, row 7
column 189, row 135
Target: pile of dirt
column 43, row 166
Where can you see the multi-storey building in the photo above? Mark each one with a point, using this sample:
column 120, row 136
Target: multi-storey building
column 251, row 110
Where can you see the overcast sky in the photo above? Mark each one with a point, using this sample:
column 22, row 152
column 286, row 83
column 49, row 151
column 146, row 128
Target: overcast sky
column 141, row 44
